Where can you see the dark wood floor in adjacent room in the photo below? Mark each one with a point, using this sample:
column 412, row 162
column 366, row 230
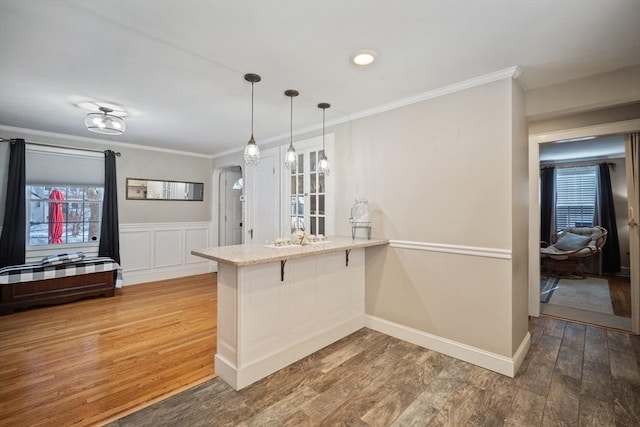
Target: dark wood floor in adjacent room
column 91, row 361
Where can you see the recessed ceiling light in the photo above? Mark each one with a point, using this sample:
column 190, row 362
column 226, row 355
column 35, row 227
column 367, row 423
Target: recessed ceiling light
column 363, row 57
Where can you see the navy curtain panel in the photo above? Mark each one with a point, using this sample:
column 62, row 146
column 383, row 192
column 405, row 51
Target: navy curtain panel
column 14, row 225
column 547, row 189
column 109, row 229
column 611, row 249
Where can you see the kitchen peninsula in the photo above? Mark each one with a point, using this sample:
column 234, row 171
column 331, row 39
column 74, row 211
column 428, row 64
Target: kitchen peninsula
column 277, row 305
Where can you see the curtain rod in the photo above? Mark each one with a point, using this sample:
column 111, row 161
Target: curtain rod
column 58, row 146
column 577, row 165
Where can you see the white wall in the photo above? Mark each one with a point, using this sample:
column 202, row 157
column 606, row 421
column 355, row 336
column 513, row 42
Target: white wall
column 586, row 94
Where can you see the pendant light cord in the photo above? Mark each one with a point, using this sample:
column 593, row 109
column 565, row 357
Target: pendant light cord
column 291, row 123
column 251, row 110
column 323, row 149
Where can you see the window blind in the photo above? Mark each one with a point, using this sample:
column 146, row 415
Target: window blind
column 575, row 197
column 56, row 166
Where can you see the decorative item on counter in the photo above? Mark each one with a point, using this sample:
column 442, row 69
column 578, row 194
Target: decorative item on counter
column 282, row 241
column 360, row 210
column 309, row 239
column 320, row 238
column 297, row 237
column 360, row 217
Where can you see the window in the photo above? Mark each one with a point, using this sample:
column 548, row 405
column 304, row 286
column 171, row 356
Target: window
column 575, row 197
column 63, row 214
column 64, row 191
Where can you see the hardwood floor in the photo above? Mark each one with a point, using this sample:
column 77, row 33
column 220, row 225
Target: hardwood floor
column 88, row 362
column 574, row 375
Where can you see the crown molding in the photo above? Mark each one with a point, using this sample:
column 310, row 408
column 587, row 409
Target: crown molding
column 101, row 142
column 511, row 72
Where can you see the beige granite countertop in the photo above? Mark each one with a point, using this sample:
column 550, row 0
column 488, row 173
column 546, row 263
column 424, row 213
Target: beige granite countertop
column 251, row 254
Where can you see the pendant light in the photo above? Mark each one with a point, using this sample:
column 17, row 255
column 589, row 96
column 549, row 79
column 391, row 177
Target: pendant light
column 105, row 123
column 291, row 157
column 251, row 151
column 323, row 164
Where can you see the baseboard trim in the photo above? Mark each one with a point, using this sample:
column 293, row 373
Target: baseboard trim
column 452, row 249
column 144, row 276
column 476, row 356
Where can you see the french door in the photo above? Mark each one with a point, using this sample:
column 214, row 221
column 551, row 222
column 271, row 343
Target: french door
column 309, row 195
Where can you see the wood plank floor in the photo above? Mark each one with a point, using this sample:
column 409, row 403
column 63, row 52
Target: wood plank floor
column 573, row 375
column 87, row 362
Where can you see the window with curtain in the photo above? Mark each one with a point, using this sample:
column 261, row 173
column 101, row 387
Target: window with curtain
column 576, row 189
column 64, row 190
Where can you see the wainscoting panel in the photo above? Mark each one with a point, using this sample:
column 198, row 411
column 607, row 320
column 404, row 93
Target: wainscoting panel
column 136, row 251
column 159, row 251
column 167, row 248
column 195, row 238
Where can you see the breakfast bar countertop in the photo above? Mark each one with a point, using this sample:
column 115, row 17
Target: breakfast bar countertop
column 251, row 254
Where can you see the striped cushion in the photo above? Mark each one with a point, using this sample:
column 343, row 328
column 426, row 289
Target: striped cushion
column 63, row 258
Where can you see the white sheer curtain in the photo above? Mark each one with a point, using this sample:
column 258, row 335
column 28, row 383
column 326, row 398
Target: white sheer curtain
column 632, row 156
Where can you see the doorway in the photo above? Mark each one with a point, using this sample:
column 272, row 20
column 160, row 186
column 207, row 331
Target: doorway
column 535, row 141
column 230, row 206
column 590, row 285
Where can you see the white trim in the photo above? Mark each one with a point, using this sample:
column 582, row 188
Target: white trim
column 452, row 249
column 164, row 273
column 501, row 364
column 624, row 126
column 97, row 141
column 163, row 225
column 63, row 150
column 511, row 72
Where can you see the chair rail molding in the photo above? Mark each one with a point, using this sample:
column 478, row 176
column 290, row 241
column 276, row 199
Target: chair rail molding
column 452, row 249
column 158, row 251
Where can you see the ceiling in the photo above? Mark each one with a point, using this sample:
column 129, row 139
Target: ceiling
column 177, row 66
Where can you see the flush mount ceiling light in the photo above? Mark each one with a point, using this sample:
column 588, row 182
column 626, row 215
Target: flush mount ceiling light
column 251, row 151
column 323, row 164
column 105, row 123
column 291, row 157
column 364, row 57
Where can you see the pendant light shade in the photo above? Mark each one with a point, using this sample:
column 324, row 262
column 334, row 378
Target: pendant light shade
column 105, row 123
column 323, row 163
column 251, row 151
column 291, row 157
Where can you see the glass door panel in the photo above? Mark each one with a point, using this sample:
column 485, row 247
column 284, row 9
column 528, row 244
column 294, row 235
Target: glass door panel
column 309, row 186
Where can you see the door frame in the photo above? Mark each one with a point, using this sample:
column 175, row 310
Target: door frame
column 222, row 202
column 535, row 140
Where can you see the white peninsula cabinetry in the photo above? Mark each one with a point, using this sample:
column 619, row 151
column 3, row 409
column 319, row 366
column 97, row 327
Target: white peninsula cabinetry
column 278, row 305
